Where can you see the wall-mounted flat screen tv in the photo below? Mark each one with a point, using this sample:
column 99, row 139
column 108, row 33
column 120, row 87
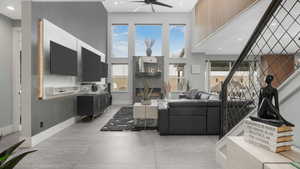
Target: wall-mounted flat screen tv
column 63, row 60
column 91, row 66
column 104, row 70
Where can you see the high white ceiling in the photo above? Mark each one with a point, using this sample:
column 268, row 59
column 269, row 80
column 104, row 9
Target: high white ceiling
column 129, row 6
column 110, row 5
column 15, row 8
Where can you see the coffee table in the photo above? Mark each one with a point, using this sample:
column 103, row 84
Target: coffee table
column 145, row 115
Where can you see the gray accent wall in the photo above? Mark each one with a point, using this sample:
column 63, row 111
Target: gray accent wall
column 85, row 20
column 6, row 49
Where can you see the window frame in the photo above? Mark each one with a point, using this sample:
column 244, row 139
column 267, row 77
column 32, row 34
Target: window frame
column 182, row 78
column 185, row 40
column 230, row 64
column 111, row 39
column 210, row 70
column 112, row 72
column 148, row 24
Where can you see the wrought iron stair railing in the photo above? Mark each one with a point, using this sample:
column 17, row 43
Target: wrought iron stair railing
column 272, row 49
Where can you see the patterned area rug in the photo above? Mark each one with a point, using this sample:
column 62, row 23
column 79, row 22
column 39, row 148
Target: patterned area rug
column 123, row 121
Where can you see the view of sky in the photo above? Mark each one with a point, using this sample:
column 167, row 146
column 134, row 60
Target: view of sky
column 144, row 32
column 120, row 41
column 177, row 40
column 151, row 32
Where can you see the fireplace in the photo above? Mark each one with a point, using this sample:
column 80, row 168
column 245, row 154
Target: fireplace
column 156, row 93
column 148, row 74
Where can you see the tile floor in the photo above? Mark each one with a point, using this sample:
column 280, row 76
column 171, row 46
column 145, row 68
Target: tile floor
column 83, row 146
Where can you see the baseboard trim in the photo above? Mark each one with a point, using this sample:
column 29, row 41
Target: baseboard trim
column 4, row 131
column 38, row 138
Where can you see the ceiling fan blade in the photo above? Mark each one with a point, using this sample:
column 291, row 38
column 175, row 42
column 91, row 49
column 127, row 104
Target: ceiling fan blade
column 153, row 10
column 162, row 4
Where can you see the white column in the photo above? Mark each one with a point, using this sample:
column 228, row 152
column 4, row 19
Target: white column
column 26, row 73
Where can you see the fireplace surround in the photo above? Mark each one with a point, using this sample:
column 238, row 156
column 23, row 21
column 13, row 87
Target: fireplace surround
column 147, row 71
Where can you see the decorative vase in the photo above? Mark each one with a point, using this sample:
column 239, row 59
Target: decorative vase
column 146, row 102
column 148, row 51
column 94, row 87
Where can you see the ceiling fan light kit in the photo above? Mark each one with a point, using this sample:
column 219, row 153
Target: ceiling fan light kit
column 152, row 3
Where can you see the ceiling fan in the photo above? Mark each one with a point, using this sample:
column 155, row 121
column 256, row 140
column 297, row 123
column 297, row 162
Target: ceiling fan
column 152, row 2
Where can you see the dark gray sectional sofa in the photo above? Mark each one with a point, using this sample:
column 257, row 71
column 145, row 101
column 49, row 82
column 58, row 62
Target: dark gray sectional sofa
column 190, row 117
column 193, row 116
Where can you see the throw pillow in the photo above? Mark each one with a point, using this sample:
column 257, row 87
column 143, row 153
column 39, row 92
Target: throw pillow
column 198, row 95
column 205, row 96
column 193, row 93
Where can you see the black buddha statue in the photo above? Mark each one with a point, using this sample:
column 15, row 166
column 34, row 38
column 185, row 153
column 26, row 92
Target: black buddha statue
column 267, row 112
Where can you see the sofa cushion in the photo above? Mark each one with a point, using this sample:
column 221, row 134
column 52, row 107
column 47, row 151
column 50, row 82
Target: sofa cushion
column 214, row 97
column 192, row 94
column 205, row 96
column 198, row 95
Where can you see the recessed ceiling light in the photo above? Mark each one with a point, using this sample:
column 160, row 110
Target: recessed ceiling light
column 239, row 39
column 116, row 2
column 10, row 8
column 220, row 48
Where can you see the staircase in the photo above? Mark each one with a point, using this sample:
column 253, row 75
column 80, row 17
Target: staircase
column 273, row 49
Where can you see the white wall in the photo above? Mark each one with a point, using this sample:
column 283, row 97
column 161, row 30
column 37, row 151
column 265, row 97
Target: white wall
column 6, row 80
column 289, row 96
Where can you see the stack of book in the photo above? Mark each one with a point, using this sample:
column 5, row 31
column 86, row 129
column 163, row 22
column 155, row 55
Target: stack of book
column 275, row 139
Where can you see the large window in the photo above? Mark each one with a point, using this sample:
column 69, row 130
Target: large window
column 119, row 41
column 177, row 41
column 119, row 77
column 176, row 77
column 148, row 40
column 219, row 70
column 218, row 73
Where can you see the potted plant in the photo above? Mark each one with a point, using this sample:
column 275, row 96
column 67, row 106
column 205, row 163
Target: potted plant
column 149, row 44
column 146, row 94
column 8, row 162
